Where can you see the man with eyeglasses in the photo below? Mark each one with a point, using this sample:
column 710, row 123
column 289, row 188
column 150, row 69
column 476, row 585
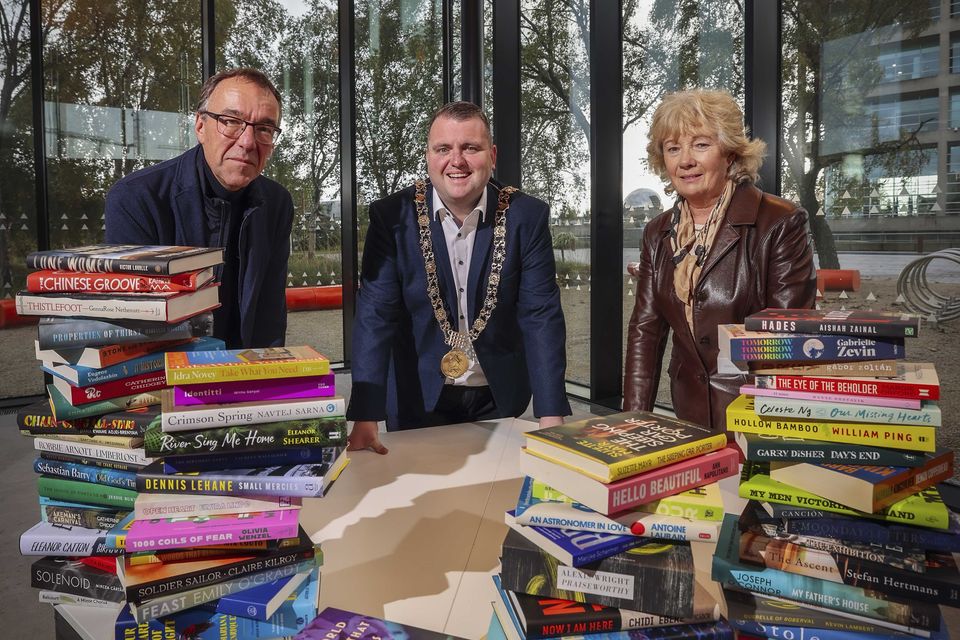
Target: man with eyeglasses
column 215, row 196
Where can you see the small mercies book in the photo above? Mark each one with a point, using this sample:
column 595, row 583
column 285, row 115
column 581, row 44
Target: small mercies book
column 245, row 364
column 622, row 445
column 337, row 623
column 739, row 345
column 126, row 258
column 890, row 324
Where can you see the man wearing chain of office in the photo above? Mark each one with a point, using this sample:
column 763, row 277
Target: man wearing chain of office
column 458, row 315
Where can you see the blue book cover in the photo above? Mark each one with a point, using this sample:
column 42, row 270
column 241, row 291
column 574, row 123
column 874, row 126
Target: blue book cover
column 779, row 631
column 576, row 548
column 261, row 602
column 86, row 473
column 249, row 459
column 761, row 346
column 200, row 623
column 83, row 376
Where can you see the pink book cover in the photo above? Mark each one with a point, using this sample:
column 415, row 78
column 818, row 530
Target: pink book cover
column 199, row 531
column 673, row 479
column 254, row 390
column 875, row 401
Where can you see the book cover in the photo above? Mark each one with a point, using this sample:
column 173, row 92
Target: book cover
column 254, row 391
column 873, row 401
column 742, row 416
column 38, row 419
column 739, row 345
column 864, row 487
column 574, row 548
column 85, row 492
column 66, row 333
column 927, row 415
column 729, row 572
column 635, row 490
column 914, row 381
column 922, row 509
column 54, row 281
column 86, row 473
column 246, row 413
column 337, row 623
column 304, row 480
column 314, row 432
column 107, row 390
column 839, row 369
column 768, row 448
column 64, row 575
column 890, row 324
column 235, row 365
column 162, row 307
column 126, row 258
column 63, row 410
column 700, row 503
column 48, row 539
column 166, row 505
column 199, row 531
column 657, row 578
column 77, row 514
column 248, row 459
column 93, row 450
column 52, row 597
column 259, row 603
column 624, row 444
column 149, row 363
column 829, row 524
column 100, row 357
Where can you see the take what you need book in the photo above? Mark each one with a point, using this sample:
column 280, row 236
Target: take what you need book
column 126, row 258
column 245, row 364
column 621, row 445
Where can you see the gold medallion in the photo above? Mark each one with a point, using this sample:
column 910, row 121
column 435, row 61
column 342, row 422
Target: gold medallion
column 454, row 363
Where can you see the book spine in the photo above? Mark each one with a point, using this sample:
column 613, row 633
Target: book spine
column 152, row 535
column 65, row 576
column 89, row 332
column 640, row 464
column 855, row 368
column 301, row 482
column 106, row 307
column 563, row 515
column 251, row 459
column 48, row 281
column 106, row 464
column 187, row 374
column 803, row 348
column 84, row 473
column 228, row 416
column 752, row 629
column 884, row 328
column 785, row 449
column 250, row 391
column 84, row 376
column 902, row 403
column 45, row 261
column 63, row 410
column 89, row 450
column 63, row 541
column 913, row 438
column 851, row 387
column 52, row 597
column 874, row 533
column 687, row 505
column 331, row 431
column 115, row 389
column 40, row 421
column 89, row 517
column 85, row 492
column 928, row 415
column 157, row 506
column 672, row 479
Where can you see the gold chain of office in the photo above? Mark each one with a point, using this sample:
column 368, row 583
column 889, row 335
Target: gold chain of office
column 454, row 362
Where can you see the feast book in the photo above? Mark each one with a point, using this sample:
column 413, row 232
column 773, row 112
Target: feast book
column 126, row 258
column 889, row 324
column 624, row 444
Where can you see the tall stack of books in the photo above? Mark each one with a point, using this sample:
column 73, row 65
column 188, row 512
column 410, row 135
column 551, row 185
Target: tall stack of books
column 603, row 526
column 844, row 520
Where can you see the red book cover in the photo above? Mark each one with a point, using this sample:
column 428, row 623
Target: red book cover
column 48, row 281
column 914, row 380
column 113, row 389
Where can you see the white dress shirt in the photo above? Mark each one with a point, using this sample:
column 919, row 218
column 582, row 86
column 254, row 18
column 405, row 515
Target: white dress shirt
column 460, row 239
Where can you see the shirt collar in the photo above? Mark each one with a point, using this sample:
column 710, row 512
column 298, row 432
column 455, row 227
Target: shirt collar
column 440, row 211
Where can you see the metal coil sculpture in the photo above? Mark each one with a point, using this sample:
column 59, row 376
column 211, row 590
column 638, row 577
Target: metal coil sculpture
column 918, row 294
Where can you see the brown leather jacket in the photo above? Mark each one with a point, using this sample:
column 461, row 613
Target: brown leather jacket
column 761, row 257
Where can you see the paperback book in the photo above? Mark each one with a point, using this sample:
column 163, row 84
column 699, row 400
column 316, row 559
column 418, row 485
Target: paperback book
column 245, row 413
column 86, row 473
column 822, row 523
column 914, row 381
column 739, row 345
column 126, row 258
column 64, row 575
column 260, row 603
column 852, row 368
column 571, row 547
column 254, row 390
column 85, row 492
column 928, row 414
column 93, row 450
column 107, row 390
column 171, row 505
column 337, row 623
column 66, row 333
column 199, row 531
column 161, row 307
column 236, row 365
column 38, row 420
column 48, row 539
column 77, row 514
column 63, row 410
column 837, row 398
column 768, row 448
column 889, row 324
column 103, row 356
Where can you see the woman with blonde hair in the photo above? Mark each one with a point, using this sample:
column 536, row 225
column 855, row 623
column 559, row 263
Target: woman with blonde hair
column 725, row 250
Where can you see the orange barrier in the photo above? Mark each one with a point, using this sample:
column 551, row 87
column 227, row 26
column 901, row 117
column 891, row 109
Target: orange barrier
column 838, row 280
column 9, row 316
column 313, row 298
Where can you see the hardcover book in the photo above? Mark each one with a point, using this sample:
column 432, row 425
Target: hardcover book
column 766, row 448
column 337, row 623
column 108, row 390
column 48, row 539
column 571, row 547
column 837, row 398
column 245, row 413
column 742, row 416
column 92, row 449
column 914, row 381
column 64, row 575
column 282, row 457
column 890, row 324
column 739, row 345
column 66, row 333
column 167, row 505
column 63, row 410
column 254, row 390
column 657, row 578
column 234, row 365
column 260, row 603
column 103, row 356
column 39, row 421
column 841, row 369
column 638, row 489
column 304, row 480
column 85, row 492
column 162, row 307
column 885, row 533
column 927, row 415
column 86, row 473
column 51, row 281
column 77, row 514
column 126, row 258
column 622, row 445
column 865, row 487
column 922, row 509
column 199, row 531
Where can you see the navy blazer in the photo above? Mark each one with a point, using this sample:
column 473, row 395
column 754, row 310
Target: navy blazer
column 398, row 344
column 163, row 204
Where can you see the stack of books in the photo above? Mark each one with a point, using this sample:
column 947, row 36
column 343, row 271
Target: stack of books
column 603, row 526
column 844, row 519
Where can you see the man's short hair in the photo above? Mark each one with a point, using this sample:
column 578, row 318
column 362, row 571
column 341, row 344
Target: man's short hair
column 249, row 74
column 461, row 111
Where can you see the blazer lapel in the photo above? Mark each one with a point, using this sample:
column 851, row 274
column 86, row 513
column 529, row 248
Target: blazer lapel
column 441, row 257
column 480, row 259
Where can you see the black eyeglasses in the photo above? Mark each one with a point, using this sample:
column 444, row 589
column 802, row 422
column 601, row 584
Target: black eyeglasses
column 233, row 127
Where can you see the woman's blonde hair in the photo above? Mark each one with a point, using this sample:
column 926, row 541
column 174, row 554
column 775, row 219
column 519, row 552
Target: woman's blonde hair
column 702, row 111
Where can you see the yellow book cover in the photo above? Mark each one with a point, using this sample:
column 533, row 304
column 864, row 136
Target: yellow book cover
column 234, row 365
column 742, row 417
